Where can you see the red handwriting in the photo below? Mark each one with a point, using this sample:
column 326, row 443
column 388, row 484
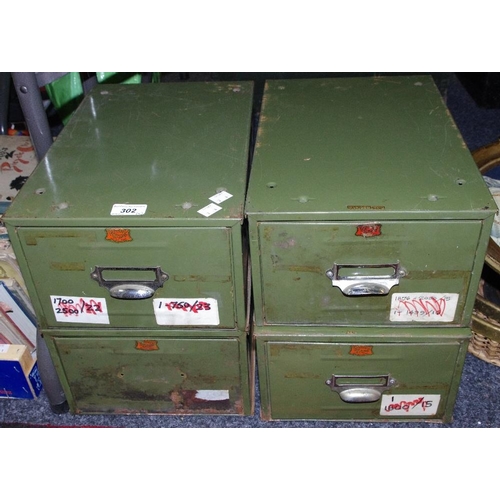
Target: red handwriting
column 422, row 307
column 68, row 307
column 186, row 306
column 409, row 405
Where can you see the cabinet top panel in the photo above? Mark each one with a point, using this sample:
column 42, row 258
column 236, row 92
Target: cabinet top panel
column 374, row 145
column 167, row 146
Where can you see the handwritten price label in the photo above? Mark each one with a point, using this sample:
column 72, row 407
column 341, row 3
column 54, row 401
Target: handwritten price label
column 186, row 312
column 424, row 307
column 80, row 309
column 410, row 405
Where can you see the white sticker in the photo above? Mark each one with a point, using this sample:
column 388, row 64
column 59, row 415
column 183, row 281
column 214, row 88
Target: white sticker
column 410, row 405
column 220, row 197
column 4, row 348
column 126, row 209
column 209, row 210
column 423, row 307
column 186, row 312
column 80, row 309
column 209, row 395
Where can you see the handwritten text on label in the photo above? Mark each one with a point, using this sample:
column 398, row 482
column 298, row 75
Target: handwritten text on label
column 423, row 307
column 410, row 404
column 71, row 309
column 186, row 311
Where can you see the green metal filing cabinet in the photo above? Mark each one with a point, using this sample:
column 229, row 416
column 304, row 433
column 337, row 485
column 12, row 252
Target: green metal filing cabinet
column 368, row 224
column 130, row 235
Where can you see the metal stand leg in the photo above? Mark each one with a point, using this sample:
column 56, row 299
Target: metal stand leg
column 50, row 380
column 28, row 92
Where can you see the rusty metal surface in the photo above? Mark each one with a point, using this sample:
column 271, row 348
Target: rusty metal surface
column 122, row 374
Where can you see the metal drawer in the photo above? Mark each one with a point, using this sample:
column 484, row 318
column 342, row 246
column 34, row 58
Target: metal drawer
column 150, row 372
column 334, row 378
column 84, row 277
column 320, row 273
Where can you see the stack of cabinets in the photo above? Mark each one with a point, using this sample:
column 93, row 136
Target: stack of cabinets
column 368, row 223
column 367, row 226
column 130, row 236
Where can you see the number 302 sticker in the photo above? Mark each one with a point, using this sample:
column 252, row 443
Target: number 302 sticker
column 126, row 209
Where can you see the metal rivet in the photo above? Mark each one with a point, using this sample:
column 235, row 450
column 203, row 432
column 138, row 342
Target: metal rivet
column 24, row 89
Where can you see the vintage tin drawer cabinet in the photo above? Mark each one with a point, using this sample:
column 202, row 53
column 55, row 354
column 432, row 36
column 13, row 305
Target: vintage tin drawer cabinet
column 130, row 237
column 366, row 215
column 371, row 374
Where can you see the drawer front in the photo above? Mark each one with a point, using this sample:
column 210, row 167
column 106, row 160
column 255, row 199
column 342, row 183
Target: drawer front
column 340, row 381
column 364, row 273
column 135, row 278
column 111, row 374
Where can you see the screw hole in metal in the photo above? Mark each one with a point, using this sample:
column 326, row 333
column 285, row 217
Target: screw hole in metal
column 271, row 185
column 460, row 182
column 40, row 191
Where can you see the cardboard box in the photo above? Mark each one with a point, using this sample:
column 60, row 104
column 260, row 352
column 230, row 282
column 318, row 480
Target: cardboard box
column 19, row 376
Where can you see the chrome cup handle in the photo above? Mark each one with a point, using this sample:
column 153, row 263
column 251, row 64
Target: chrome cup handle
column 356, row 285
column 130, row 289
column 355, row 391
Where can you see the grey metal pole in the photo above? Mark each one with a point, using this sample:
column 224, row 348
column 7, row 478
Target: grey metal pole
column 50, row 380
column 30, row 99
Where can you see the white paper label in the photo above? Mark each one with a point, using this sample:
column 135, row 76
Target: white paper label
column 127, row 209
column 409, row 405
column 4, row 348
column 186, row 312
column 80, row 309
column 220, row 197
column 423, row 307
column 209, row 210
column 215, row 395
